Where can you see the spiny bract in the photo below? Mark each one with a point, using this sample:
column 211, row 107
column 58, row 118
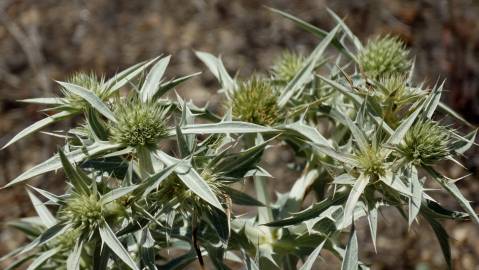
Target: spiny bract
column 139, row 124
column 255, row 102
column 384, row 56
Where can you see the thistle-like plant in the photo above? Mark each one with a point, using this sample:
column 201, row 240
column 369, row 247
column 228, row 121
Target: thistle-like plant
column 362, row 132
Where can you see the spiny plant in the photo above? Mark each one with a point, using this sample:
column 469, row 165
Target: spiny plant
column 144, row 191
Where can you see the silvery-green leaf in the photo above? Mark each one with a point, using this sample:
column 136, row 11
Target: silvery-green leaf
column 39, row 125
column 91, row 98
column 54, row 163
column 241, row 198
column 455, row 192
column 215, row 65
column 310, row 133
column 110, row 239
column 73, row 260
column 192, row 179
column 355, row 193
column 117, row 193
column 454, row 114
column 315, row 30
column 305, row 74
column 415, row 200
column 464, row 143
column 152, row 82
column 405, row 125
column 358, row 135
column 350, row 260
column 164, row 87
column 80, row 184
column 225, row 127
column 42, row 258
column 357, row 43
column 45, row 101
column 343, row 157
column 394, row 181
column 47, row 218
column 122, row 78
column 433, row 100
column 373, row 224
column 308, row 264
column 147, row 250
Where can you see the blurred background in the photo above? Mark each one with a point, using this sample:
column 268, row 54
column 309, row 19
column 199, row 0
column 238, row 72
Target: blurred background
column 42, row 41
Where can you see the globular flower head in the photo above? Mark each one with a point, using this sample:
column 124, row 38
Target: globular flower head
column 83, row 211
column 67, row 240
column 384, row 56
column 139, row 124
column 255, row 102
column 287, row 66
column 89, row 81
column 426, row 142
column 371, row 161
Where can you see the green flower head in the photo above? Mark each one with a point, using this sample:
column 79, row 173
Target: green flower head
column 426, row 143
column 287, row 66
column 255, row 102
column 393, row 90
column 372, row 161
column 139, row 124
column 83, row 211
column 384, row 56
column 89, row 81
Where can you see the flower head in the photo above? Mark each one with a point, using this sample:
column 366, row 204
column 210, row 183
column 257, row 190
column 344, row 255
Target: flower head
column 384, row 56
column 83, row 211
column 426, row 142
column 372, row 161
column 89, row 81
column 287, row 66
column 255, row 102
column 139, row 124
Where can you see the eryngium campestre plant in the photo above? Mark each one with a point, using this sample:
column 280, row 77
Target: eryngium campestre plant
column 256, row 102
column 384, row 56
column 363, row 141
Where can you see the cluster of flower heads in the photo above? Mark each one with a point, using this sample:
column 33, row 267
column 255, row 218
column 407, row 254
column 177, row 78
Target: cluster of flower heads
column 148, row 173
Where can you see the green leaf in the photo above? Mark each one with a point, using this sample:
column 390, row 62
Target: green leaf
column 443, row 238
column 47, row 218
column 109, row 237
column 433, row 100
column 192, row 179
column 308, row 264
column 91, row 98
column 350, row 261
column 310, row 133
column 454, row 114
column 305, row 74
column 153, row 181
column 343, row 157
column 405, row 125
column 54, row 163
column 225, row 127
column 42, row 258
column 356, row 191
column 358, row 135
column 38, row 125
column 152, row 81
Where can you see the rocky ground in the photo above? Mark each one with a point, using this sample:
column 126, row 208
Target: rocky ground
column 49, row 39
